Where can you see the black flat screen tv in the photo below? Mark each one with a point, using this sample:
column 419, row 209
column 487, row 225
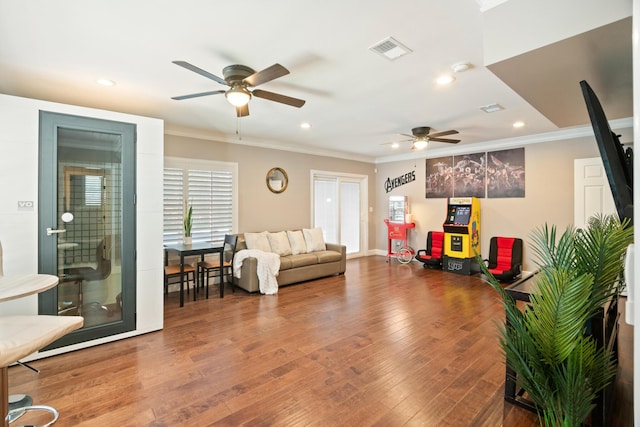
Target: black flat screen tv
column 617, row 162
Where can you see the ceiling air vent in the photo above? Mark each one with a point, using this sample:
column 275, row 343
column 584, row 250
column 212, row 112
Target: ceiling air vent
column 390, row 48
column 492, row 108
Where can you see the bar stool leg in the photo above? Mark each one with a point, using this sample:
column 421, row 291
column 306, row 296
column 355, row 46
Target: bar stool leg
column 4, row 395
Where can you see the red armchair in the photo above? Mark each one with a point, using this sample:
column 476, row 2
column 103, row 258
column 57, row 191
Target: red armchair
column 505, row 258
column 431, row 257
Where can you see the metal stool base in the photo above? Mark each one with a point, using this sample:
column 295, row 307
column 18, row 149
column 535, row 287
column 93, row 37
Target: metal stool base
column 17, row 413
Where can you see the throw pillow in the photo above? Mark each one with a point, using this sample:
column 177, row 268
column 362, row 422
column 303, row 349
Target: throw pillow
column 257, row 241
column 296, row 240
column 314, row 239
column 279, row 243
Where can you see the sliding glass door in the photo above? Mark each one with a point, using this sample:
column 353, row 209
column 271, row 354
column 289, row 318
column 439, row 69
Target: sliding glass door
column 339, row 208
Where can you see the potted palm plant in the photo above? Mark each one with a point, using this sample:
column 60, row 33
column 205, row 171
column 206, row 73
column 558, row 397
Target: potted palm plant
column 548, row 344
column 187, row 222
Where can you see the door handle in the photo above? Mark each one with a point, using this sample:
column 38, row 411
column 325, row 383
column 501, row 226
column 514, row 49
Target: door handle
column 50, row 231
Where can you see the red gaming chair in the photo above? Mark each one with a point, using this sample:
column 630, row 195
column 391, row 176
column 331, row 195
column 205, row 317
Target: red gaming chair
column 432, row 256
column 505, row 258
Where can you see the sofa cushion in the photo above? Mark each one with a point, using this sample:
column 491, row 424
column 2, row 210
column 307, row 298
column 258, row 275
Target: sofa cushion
column 296, row 240
column 328, row 256
column 257, row 241
column 279, row 243
column 314, row 239
column 286, row 262
column 302, row 260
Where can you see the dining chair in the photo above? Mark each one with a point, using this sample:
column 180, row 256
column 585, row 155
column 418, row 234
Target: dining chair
column 207, row 267
column 173, row 270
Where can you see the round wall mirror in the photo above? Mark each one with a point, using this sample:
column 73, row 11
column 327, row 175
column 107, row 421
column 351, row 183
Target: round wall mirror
column 277, row 180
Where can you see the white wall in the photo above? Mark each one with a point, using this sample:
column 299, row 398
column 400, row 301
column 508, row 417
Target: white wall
column 19, row 129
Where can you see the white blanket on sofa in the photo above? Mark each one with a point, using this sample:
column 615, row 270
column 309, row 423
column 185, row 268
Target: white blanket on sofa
column 268, row 268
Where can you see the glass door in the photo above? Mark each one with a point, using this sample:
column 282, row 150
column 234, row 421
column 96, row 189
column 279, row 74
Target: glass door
column 350, row 214
column 339, row 209
column 87, row 223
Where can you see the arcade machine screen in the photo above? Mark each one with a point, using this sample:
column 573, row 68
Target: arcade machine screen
column 462, row 215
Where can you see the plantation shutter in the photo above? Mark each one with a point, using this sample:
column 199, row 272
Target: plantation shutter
column 93, row 190
column 208, row 187
column 211, row 195
column 173, row 205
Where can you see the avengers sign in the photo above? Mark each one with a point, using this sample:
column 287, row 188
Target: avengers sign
column 392, row 183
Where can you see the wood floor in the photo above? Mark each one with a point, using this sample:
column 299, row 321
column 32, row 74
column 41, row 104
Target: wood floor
column 384, row 345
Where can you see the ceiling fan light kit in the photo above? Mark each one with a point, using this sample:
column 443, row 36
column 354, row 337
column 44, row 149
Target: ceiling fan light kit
column 238, row 96
column 422, row 136
column 240, row 78
column 420, row 143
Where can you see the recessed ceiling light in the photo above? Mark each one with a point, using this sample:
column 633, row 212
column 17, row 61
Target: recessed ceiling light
column 106, row 82
column 445, row 79
column 305, row 125
column 395, row 145
column 518, row 124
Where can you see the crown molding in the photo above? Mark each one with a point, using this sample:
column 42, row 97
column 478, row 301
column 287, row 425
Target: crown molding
column 501, row 144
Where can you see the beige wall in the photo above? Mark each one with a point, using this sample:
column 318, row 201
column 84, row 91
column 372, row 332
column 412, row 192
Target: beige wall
column 549, row 197
column 260, row 209
column 549, row 190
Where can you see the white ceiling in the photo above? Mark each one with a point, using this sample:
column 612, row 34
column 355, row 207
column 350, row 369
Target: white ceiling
column 357, row 101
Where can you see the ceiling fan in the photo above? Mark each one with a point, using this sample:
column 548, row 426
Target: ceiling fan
column 240, row 78
column 421, row 137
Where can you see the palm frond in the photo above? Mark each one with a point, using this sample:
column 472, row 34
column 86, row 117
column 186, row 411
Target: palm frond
column 546, row 344
column 600, row 250
column 549, row 252
column 559, row 312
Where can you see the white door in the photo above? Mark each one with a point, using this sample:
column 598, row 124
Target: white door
column 592, row 193
column 339, row 207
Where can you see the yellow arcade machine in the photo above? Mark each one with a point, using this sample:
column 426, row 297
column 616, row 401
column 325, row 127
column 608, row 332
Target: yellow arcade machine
column 461, row 235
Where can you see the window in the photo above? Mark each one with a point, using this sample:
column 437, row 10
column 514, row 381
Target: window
column 210, row 188
column 92, row 190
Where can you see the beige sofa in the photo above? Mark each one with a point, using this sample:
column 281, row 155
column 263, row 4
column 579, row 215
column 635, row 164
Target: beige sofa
column 294, row 268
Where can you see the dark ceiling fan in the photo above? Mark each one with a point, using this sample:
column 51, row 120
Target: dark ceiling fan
column 240, row 78
column 421, row 137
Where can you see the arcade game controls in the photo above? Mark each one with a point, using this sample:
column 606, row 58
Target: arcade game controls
column 462, row 235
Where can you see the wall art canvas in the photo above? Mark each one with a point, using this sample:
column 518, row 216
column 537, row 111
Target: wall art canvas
column 439, row 179
column 505, row 173
column 469, row 175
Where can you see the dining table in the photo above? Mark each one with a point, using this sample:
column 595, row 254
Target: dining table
column 195, row 249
